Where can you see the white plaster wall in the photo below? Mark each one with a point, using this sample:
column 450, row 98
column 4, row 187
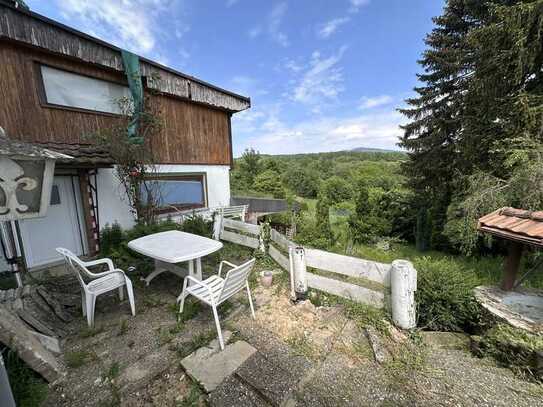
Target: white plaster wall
column 113, row 205
column 112, row 201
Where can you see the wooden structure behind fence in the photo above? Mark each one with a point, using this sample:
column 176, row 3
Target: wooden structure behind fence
column 332, row 273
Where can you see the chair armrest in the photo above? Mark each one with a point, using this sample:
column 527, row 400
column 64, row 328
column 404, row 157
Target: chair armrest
column 199, row 283
column 228, row 264
column 106, row 273
column 93, row 263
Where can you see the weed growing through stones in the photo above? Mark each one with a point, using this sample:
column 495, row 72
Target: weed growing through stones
column 123, row 327
column 164, row 336
column 109, row 376
column 79, row 358
column 301, row 345
column 192, row 398
column 185, row 349
column 190, row 309
column 88, row 332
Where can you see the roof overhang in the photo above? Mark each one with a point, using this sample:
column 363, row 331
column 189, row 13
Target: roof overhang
column 514, row 224
column 35, row 30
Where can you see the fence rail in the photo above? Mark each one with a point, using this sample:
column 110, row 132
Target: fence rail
column 295, row 260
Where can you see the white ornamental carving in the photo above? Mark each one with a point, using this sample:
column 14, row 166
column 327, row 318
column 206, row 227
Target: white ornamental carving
column 11, row 178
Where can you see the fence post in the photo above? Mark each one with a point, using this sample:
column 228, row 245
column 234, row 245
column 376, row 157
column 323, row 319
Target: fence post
column 217, row 225
column 403, row 282
column 298, row 273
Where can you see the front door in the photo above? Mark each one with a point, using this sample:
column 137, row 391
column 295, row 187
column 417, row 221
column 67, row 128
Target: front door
column 59, row 228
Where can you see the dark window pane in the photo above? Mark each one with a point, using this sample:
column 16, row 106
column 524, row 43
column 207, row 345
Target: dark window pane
column 177, row 192
column 55, row 195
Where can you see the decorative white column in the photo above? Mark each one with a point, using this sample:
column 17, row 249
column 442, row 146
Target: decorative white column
column 403, row 281
column 298, row 273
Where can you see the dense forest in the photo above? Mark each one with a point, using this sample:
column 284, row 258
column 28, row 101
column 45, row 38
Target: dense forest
column 332, row 189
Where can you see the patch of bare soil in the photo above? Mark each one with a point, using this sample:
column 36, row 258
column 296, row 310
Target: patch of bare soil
column 344, row 370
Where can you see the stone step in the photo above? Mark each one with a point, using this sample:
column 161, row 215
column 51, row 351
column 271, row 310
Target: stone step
column 209, row 366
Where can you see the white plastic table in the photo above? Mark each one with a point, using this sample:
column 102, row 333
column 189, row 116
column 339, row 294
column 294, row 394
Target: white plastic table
column 168, row 248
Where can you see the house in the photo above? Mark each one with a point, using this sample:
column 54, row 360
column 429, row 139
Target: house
column 59, row 85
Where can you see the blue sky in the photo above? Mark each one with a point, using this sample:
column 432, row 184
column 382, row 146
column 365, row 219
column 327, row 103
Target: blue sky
column 323, row 75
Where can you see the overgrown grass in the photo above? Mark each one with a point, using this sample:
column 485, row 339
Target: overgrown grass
column 301, row 345
column 28, row 388
column 512, row 348
column 192, row 399
column 79, row 358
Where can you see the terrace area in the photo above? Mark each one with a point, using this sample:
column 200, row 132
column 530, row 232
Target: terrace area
column 324, row 351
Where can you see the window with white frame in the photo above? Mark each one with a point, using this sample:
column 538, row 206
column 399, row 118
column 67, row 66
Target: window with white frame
column 63, row 88
column 176, row 192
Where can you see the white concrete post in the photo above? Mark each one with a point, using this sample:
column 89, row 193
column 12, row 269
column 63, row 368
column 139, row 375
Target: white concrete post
column 403, row 282
column 217, row 225
column 298, row 272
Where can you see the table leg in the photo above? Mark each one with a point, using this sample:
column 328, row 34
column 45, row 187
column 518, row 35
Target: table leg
column 199, row 268
column 191, row 270
column 153, row 275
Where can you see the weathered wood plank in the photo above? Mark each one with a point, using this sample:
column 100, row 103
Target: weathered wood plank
column 242, row 226
column 348, row 266
column 240, row 239
column 281, row 240
column 32, row 31
column 16, row 335
column 282, row 260
column 346, row 290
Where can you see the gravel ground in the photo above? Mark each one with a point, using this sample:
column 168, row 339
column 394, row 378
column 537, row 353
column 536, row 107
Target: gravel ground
column 325, row 353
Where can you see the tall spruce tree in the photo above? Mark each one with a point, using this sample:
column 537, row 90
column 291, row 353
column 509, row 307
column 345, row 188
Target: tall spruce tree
column 439, row 141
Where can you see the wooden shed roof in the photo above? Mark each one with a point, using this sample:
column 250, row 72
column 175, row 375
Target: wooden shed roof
column 32, row 29
column 514, row 224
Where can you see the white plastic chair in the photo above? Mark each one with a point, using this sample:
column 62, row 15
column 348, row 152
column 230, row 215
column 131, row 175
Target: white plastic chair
column 215, row 290
column 100, row 282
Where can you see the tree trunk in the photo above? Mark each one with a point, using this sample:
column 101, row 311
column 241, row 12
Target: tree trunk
column 511, row 266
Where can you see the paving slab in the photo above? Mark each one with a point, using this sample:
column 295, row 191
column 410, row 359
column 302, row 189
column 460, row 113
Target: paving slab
column 209, row 366
column 446, row 340
column 143, row 370
column 273, row 349
column 271, row 381
column 234, row 392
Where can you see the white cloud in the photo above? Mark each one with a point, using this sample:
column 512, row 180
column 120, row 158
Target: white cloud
column 230, row 3
column 274, row 24
column 127, row 23
column 181, row 29
column 330, row 27
column 264, row 130
column 369, row 103
column 293, row 66
column 255, row 31
column 321, row 82
column 246, row 85
column 357, row 5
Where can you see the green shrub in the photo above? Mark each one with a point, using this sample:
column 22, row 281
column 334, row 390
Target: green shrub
column 28, row 388
column 197, row 225
column 444, row 296
column 513, row 348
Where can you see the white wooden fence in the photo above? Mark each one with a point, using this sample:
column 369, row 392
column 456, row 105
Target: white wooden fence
column 333, row 273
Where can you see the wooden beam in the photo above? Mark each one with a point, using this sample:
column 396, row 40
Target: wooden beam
column 511, row 266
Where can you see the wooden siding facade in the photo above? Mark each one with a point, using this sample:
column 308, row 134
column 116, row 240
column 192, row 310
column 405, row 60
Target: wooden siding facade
column 192, row 133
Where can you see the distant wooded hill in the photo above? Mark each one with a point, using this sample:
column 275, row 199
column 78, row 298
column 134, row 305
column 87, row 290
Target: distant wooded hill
column 375, row 150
